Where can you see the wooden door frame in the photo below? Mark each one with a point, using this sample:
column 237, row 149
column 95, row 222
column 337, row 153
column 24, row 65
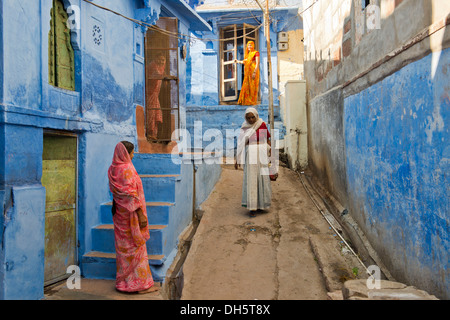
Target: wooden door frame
column 59, row 133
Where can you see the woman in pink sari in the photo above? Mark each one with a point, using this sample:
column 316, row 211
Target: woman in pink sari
column 130, row 223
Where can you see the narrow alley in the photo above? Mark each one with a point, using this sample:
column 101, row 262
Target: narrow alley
column 267, row 257
column 128, row 106
column 288, row 252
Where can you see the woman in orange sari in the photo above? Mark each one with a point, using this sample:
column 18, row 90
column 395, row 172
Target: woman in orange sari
column 130, row 223
column 154, row 113
column 250, row 84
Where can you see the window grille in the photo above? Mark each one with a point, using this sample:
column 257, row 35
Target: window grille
column 162, row 111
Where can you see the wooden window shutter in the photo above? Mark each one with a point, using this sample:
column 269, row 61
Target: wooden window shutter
column 161, row 81
column 228, row 52
column 61, row 62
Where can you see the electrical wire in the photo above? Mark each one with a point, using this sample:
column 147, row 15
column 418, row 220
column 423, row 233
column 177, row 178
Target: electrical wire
column 177, row 35
column 298, row 15
column 249, row 10
column 182, row 36
column 308, row 7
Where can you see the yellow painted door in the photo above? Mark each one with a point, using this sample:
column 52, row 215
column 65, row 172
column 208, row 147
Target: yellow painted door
column 59, row 172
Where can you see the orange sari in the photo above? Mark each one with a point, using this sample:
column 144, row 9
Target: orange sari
column 154, row 112
column 250, row 86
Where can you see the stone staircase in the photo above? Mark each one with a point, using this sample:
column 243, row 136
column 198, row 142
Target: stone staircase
column 159, row 177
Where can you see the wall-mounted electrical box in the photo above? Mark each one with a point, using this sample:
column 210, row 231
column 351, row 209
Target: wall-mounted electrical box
column 283, row 36
column 283, row 46
column 283, row 41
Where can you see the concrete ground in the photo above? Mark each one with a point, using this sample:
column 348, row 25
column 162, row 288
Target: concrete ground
column 288, row 252
column 95, row 289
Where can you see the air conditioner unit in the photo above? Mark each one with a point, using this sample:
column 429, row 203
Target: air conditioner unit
column 283, row 36
column 283, row 46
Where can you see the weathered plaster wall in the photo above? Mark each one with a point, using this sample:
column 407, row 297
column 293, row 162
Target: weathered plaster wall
column 290, row 61
column 22, row 222
column 24, row 238
column 377, row 114
column 109, row 83
column 203, row 123
column 290, row 66
column 2, row 45
column 21, row 57
column 108, row 67
column 207, row 174
column 100, row 111
column 397, row 157
column 326, row 141
column 202, row 86
column 295, row 120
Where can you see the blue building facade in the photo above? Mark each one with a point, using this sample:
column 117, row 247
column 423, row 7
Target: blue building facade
column 40, row 120
column 208, row 106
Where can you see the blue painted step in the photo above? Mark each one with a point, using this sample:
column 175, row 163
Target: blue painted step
column 146, row 163
column 159, row 175
column 103, row 239
column 102, row 265
column 157, row 212
column 159, row 187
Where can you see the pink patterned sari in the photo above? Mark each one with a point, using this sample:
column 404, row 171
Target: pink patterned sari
column 133, row 270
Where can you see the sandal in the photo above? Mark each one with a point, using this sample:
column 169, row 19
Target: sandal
column 252, row 214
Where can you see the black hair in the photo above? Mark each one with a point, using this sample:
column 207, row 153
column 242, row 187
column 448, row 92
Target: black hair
column 128, row 145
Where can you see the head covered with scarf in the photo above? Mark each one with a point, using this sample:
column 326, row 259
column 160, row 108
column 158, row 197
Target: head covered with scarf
column 121, row 172
column 247, row 52
column 128, row 193
column 247, row 130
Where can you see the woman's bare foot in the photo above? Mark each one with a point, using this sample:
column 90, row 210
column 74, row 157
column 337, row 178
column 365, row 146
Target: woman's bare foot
column 149, row 290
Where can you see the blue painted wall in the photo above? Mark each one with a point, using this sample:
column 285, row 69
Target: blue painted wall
column 100, row 111
column 203, row 122
column 109, row 82
column 207, row 174
column 398, row 160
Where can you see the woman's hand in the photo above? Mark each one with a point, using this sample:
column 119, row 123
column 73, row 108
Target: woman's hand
column 142, row 219
column 170, row 77
column 254, row 74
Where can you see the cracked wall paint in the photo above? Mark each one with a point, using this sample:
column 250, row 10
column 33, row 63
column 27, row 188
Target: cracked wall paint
column 397, row 162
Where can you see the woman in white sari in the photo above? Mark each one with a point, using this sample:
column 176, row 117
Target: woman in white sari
column 253, row 150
